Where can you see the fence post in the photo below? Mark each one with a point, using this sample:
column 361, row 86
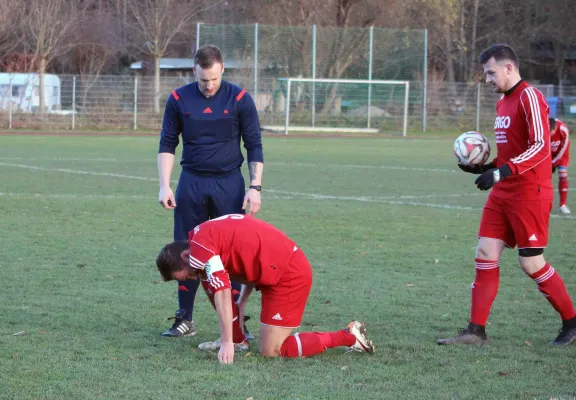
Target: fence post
column 286, row 122
column 370, row 59
column 10, row 106
column 478, row 90
column 73, row 102
column 197, row 36
column 425, row 82
column 313, row 75
column 135, row 102
column 256, row 62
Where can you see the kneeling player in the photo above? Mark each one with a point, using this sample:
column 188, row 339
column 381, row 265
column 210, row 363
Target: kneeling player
column 250, row 251
column 560, row 148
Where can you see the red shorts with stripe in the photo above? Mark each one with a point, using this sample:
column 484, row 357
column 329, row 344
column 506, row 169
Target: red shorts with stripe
column 283, row 304
column 522, row 223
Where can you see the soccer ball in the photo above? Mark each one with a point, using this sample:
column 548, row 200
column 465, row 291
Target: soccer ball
column 472, row 148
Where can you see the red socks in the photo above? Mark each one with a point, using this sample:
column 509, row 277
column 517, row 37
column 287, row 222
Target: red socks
column 484, row 290
column 307, row 344
column 563, row 187
column 552, row 287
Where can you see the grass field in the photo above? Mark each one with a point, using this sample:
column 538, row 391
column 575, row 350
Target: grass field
column 388, row 224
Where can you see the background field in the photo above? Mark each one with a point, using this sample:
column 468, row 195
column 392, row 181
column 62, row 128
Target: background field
column 389, row 225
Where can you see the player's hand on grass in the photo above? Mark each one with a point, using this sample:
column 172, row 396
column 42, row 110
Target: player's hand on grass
column 226, row 353
column 166, row 198
column 253, row 199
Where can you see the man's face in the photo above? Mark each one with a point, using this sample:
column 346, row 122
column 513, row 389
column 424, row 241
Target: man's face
column 185, row 274
column 498, row 74
column 209, row 79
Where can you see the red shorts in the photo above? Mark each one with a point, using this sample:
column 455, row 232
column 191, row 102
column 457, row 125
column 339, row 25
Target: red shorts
column 283, row 304
column 565, row 160
column 522, row 223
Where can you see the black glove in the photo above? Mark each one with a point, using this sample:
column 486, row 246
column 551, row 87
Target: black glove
column 554, row 169
column 476, row 169
column 489, row 178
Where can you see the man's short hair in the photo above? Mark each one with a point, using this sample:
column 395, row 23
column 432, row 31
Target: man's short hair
column 207, row 56
column 169, row 259
column 500, row 52
column 552, row 124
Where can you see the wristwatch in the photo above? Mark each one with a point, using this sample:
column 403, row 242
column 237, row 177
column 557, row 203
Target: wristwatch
column 256, row 187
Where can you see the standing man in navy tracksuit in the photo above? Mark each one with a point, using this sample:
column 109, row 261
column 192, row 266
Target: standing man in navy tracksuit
column 211, row 115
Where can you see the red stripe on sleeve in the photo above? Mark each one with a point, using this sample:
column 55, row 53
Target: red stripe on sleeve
column 176, row 97
column 241, row 94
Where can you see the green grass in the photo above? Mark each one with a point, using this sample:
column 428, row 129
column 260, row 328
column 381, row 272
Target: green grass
column 388, row 224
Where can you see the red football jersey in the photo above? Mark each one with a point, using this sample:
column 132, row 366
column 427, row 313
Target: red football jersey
column 559, row 141
column 523, row 142
column 241, row 246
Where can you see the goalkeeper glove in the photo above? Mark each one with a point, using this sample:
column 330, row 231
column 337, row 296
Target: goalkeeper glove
column 476, row 169
column 492, row 177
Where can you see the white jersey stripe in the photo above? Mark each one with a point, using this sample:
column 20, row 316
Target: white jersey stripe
column 539, row 140
column 538, row 129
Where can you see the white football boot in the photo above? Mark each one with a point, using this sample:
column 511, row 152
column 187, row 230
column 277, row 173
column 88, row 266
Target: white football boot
column 565, row 210
column 215, row 345
column 362, row 344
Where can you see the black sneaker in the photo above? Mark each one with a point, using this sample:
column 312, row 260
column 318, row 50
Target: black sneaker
column 473, row 334
column 247, row 335
column 567, row 333
column 181, row 327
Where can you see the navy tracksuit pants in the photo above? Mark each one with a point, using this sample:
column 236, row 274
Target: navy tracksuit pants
column 199, row 198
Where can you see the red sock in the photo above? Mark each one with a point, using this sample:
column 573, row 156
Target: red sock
column 237, row 335
column 307, row 344
column 563, row 187
column 552, row 287
column 484, row 290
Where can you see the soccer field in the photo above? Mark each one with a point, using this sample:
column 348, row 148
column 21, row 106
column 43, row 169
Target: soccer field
column 388, row 224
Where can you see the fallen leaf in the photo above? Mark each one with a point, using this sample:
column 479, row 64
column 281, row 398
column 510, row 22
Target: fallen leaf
column 527, row 343
column 21, row 333
column 328, row 302
column 436, row 261
column 344, row 368
column 409, row 284
column 248, row 354
column 504, row 373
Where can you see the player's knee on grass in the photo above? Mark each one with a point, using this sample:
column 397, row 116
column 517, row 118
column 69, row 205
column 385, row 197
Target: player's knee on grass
column 269, row 349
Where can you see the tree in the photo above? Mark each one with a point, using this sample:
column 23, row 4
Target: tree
column 10, row 13
column 157, row 23
column 46, row 24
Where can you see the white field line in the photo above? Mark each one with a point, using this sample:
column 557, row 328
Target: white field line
column 384, row 200
column 339, row 166
column 101, row 196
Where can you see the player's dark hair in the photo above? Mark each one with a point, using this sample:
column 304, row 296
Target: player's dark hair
column 207, row 56
column 499, row 52
column 169, row 259
column 552, row 123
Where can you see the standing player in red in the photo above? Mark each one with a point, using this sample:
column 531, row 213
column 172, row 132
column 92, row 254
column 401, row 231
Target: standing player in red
column 518, row 208
column 560, row 145
column 244, row 249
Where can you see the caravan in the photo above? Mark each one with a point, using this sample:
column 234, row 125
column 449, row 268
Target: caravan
column 23, row 92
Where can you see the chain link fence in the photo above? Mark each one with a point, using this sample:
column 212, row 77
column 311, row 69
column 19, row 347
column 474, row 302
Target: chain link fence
column 257, row 58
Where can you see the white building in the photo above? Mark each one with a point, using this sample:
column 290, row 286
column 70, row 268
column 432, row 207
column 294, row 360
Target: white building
column 23, row 91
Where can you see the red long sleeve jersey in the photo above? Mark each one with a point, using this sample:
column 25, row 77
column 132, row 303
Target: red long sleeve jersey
column 240, row 246
column 523, row 142
column 559, row 141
